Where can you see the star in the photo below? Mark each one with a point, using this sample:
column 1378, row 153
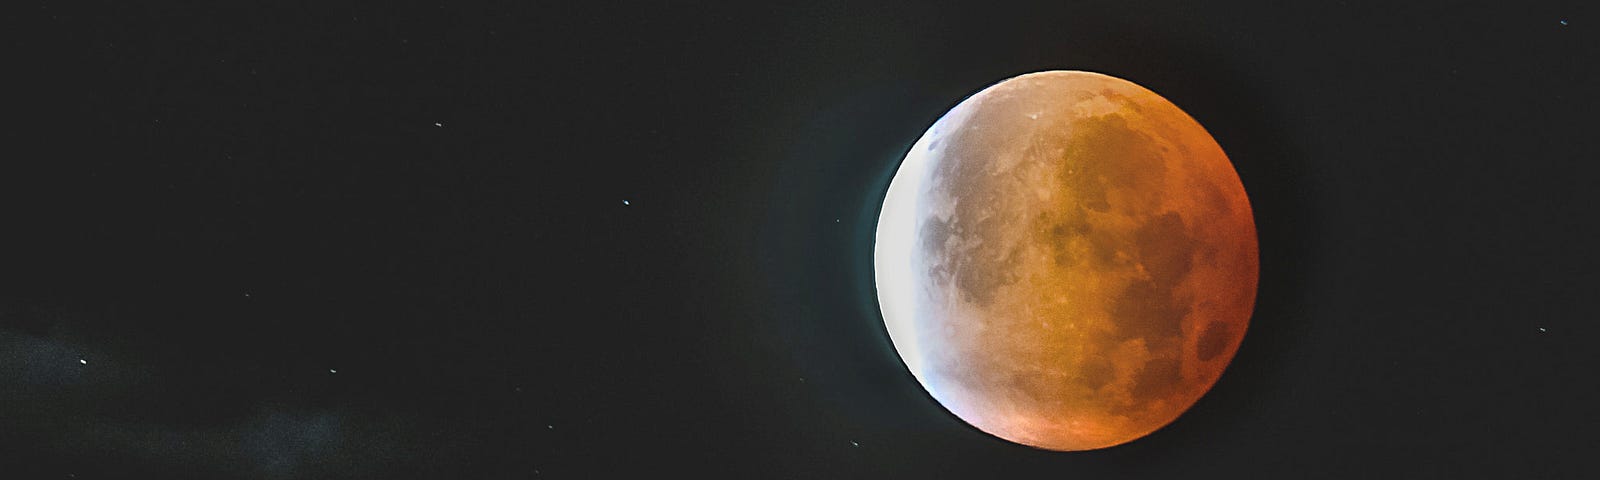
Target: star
column 1541, row 330
column 854, row 444
column 1563, row 23
column 86, row 362
column 437, row 124
column 333, row 370
column 625, row 202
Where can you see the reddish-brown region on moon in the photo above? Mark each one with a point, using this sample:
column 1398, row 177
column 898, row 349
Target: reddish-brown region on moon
column 1066, row 260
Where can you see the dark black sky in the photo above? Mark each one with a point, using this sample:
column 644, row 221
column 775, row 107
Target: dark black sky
column 315, row 241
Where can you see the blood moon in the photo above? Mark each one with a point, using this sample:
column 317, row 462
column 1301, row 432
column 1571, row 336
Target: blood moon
column 1066, row 260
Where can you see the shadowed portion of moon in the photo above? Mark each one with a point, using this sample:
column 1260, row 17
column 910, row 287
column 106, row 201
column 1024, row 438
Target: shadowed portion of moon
column 1066, row 260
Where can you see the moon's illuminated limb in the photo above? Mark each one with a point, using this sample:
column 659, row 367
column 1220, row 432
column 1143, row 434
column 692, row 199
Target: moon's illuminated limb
column 1066, row 260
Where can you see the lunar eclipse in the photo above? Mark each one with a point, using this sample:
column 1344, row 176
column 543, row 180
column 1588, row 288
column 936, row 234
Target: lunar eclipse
column 1066, row 260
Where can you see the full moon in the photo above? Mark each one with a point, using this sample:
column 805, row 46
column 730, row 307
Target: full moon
column 1066, row 260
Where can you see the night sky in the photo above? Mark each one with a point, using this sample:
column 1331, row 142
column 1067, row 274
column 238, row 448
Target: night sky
column 591, row 240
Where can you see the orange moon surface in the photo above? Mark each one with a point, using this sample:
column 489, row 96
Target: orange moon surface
column 1066, row 260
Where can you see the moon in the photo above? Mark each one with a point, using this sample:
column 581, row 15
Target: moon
column 1066, row 260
